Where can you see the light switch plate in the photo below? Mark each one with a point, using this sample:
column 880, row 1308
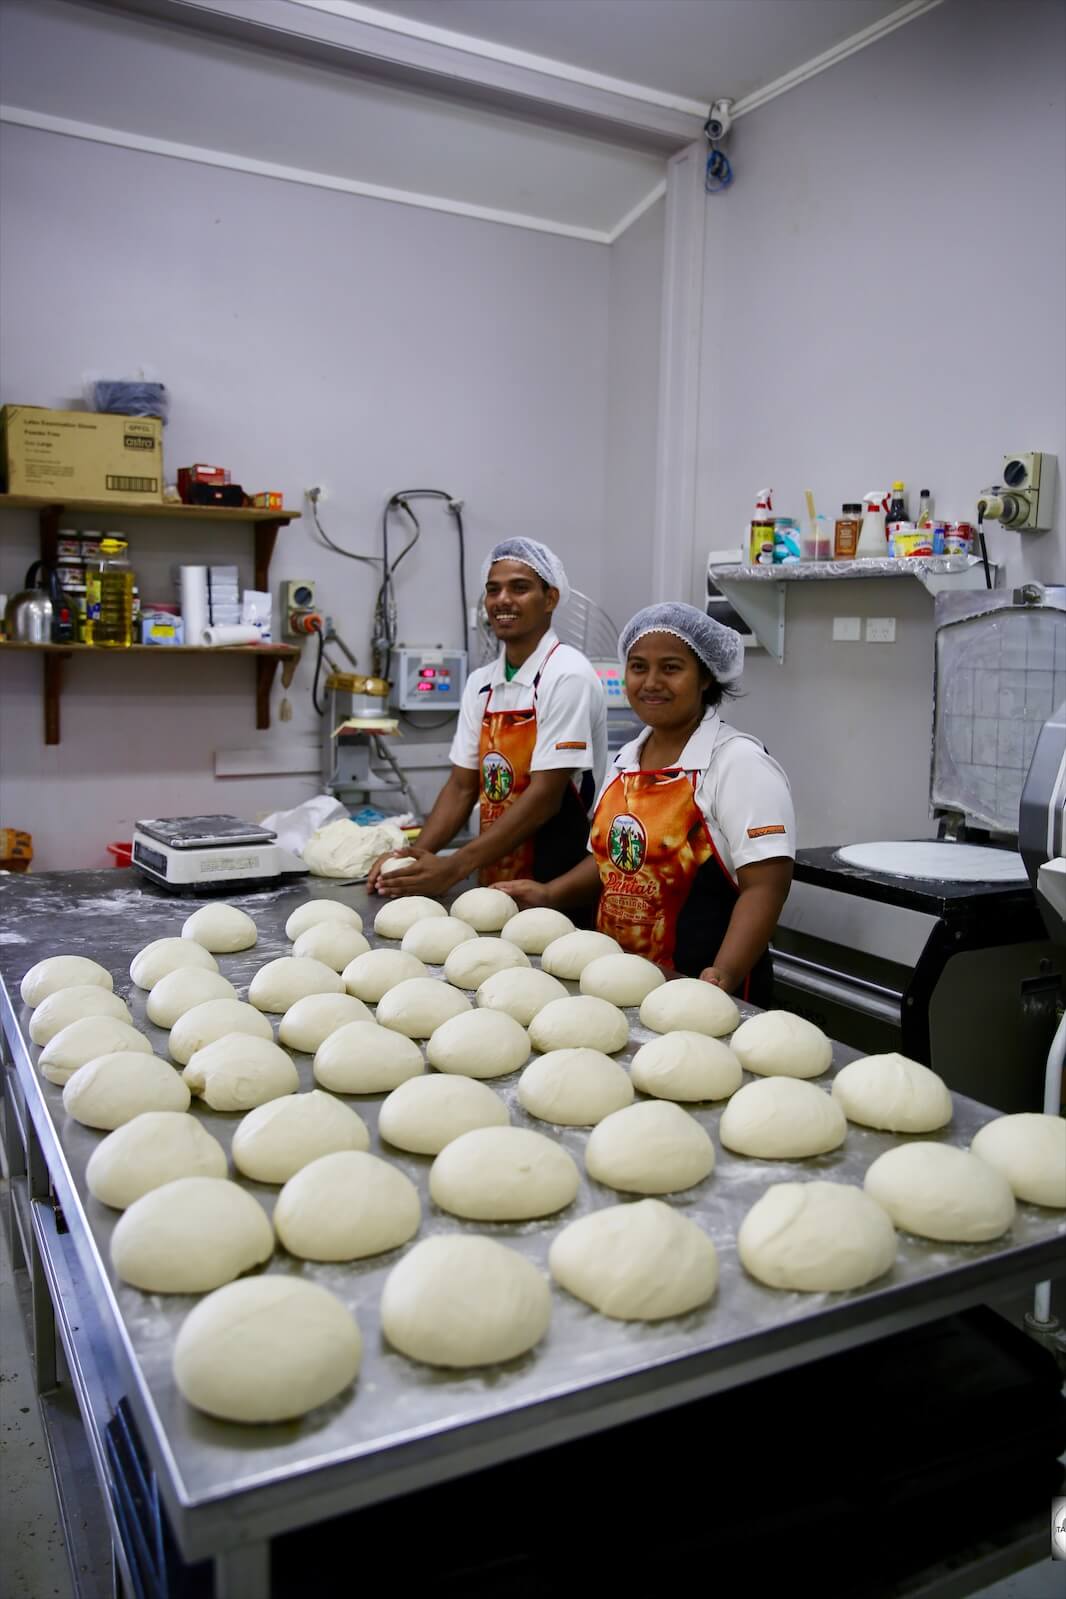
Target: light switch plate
column 880, row 630
column 847, row 629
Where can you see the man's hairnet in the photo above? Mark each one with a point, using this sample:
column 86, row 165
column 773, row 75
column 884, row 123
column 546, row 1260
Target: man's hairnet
column 538, row 557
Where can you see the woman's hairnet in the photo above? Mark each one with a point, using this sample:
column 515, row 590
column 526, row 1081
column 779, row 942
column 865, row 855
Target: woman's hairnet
column 719, row 648
column 538, row 557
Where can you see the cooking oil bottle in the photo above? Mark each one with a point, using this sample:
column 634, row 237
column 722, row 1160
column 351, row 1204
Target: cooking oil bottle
column 109, row 596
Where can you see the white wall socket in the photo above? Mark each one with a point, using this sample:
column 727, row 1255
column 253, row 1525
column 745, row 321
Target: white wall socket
column 880, row 630
column 847, row 629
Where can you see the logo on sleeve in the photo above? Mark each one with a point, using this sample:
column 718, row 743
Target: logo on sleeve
column 572, row 744
column 764, row 832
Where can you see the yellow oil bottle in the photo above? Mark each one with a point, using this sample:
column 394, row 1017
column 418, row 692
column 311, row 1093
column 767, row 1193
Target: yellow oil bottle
column 109, row 596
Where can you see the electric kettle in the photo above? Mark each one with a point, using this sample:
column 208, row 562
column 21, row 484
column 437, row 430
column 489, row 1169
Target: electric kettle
column 40, row 615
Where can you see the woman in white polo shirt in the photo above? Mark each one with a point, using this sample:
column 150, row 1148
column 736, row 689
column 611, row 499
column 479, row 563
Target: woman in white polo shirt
column 693, row 835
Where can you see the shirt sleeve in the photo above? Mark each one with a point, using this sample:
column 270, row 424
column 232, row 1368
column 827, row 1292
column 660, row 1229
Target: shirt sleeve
column 564, row 724
column 467, row 738
column 753, row 806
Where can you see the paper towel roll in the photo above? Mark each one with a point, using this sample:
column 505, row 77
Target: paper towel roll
column 230, row 634
column 194, row 612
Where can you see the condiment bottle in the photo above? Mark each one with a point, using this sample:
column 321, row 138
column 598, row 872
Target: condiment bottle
column 897, row 510
column 873, row 543
column 846, row 532
column 925, row 509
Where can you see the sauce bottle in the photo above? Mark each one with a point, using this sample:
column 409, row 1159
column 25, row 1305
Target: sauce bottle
column 846, row 532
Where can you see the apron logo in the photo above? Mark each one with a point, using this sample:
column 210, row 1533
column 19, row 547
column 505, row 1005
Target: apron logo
column 497, row 777
column 627, row 843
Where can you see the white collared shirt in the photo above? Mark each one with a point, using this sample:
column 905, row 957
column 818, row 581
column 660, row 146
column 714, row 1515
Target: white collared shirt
column 571, row 709
column 743, row 793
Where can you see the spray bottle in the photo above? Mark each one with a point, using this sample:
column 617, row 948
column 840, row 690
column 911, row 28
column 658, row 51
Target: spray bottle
column 873, row 543
column 761, row 531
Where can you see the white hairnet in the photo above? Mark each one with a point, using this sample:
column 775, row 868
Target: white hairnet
column 538, row 557
column 719, row 648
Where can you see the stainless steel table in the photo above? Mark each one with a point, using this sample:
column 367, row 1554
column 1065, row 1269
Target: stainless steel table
column 228, row 1489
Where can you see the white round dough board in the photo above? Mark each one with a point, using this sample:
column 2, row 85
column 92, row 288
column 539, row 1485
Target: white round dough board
column 936, row 860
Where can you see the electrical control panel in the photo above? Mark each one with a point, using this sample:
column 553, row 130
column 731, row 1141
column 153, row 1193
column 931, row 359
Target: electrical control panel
column 427, row 677
column 612, row 676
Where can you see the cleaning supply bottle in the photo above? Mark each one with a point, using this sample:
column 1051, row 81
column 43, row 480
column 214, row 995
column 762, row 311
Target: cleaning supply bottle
column 761, row 531
column 925, row 509
column 873, row 543
column 109, row 588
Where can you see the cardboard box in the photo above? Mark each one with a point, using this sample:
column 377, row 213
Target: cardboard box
column 81, row 455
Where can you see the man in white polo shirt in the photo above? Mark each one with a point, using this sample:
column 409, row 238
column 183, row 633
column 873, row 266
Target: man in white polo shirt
column 531, row 746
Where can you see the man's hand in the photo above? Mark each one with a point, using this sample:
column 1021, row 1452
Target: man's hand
column 720, row 978
column 527, row 894
column 372, row 882
column 432, row 875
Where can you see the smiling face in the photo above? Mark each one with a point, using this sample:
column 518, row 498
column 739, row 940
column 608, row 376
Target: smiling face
column 518, row 602
column 665, row 682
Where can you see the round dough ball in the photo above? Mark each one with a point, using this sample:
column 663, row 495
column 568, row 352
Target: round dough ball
column 503, row 1174
column 307, row 1024
column 567, row 957
column 165, row 955
column 574, row 1087
column 239, row 1072
column 149, row 1150
column 268, row 1349
column 535, row 929
column 214, row 1019
column 82, row 1041
column 622, row 979
column 113, row 1089
column 62, row 971
column 580, row 1022
column 688, row 1005
column 427, row 1112
column 278, row 1139
column 651, row 1148
column 455, row 1301
column 520, row 993
column 892, row 1093
column 68, row 1005
column 397, row 863
column 369, row 977
column 941, row 1192
column 420, row 1005
column 180, row 990
column 363, row 1058
column 335, row 944
column 486, row 910
column 471, row 963
column 280, row 983
column 400, row 915
column 433, row 939
column 816, row 1237
column 189, row 1236
column 638, row 1262
column 780, row 1118
column 313, row 911
column 223, row 929
column 345, row 1206
column 686, row 1066
column 778, row 1044
column 479, row 1043
column 1029, row 1150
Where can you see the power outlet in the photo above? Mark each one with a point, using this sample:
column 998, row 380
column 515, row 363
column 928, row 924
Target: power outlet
column 847, row 629
column 880, row 630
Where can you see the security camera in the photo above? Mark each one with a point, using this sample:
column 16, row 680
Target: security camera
column 720, row 120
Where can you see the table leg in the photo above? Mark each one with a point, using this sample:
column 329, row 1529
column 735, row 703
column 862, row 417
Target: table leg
column 243, row 1573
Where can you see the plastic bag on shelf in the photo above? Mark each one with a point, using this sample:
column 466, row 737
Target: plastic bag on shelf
column 142, row 395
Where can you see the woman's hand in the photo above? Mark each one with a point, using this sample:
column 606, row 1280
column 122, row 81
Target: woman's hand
column 527, row 894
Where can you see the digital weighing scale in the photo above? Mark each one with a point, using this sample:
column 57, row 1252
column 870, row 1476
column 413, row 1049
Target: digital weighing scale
column 209, row 854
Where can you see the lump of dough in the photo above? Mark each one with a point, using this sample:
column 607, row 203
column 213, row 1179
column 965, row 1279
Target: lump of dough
column 574, row 1087
column 363, row 1058
column 427, row 1112
column 68, row 1005
column 399, row 915
column 268, row 1349
column 180, row 990
column 420, row 1005
column 580, row 1022
column 433, row 939
column 534, row 930
column 276, row 1140
column 82, row 1041
column 816, row 1238
column 651, row 1148
column 778, row 1044
column 639, row 1262
column 189, row 1236
column 62, row 971
column 781, row 1118
column 165, row 955
column 892, row 1093
column 471, row 963
column 460, row 1301
column 345, row 1206
column 335, row 944
column 503, row 1174
column 215, row 1018
column 398, row 863
column 307, row 1024
column 344, row 849
column 567, row 957
column 941, row 1192
column 686, row 1066
column 113, row 1089
column 622, row 979
column 479, row 1043
column 369, row 977
column 149, row 1150
column 223, row 929
column 688, row 1005
column 1029, row 1150
column 314, row 911
column 239, row 1072
column 280, row 983
column 486, row 910
column 520, row 993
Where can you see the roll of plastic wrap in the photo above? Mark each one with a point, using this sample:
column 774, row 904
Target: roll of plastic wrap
column 234, row 634
column 194, row 612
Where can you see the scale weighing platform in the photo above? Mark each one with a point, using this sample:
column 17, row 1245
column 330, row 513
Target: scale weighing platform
column 209, row 854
